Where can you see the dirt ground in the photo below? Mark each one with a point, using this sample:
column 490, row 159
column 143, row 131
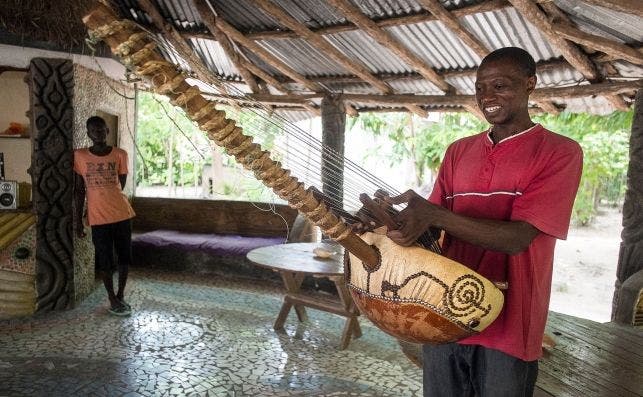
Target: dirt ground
column 585, row 268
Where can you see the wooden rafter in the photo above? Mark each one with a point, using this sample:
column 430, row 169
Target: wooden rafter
column 548, row 107
column 599, row 43
column 485, row 6
column 570, row 52
column 181, row 46
column 216, row 26
column 228, row 48
column 450, row 21
column 257, row 71
column 629, row 6
column 320, row 43
column 267, row 57
column 389, row 42
column 561, row 93
column 541, row 67
column 558, row 16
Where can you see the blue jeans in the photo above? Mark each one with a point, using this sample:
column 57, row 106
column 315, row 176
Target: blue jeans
column 454, row 370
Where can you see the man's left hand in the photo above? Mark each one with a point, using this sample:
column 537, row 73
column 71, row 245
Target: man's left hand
column 415, row 219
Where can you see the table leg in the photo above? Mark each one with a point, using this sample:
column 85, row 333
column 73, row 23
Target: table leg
column 292, row 282
column 351, row 327
column 283, row 314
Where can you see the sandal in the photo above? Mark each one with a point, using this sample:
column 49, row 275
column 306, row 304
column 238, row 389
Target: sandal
column 120, row 310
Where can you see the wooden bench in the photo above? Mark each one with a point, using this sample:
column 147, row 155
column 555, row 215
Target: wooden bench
column 589, row 359
column 210, row 236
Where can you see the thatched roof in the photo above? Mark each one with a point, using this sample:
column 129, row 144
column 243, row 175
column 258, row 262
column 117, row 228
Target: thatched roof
column 404, row 55
column 56, row 22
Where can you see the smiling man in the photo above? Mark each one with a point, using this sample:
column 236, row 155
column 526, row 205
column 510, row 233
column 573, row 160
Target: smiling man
column 502, row 197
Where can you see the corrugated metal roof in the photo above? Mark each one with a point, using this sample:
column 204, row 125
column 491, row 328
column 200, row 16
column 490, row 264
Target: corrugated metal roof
column 505, row 28
column 431, row 41
column 375, row 57
column 303, row 57
column 436, row 45
column 603, row 21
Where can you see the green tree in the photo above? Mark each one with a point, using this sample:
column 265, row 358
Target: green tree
column 605, row 143
column 174, row 150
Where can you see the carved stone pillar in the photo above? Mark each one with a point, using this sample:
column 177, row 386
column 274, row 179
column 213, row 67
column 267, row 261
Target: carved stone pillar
column 630, row 258
column 52, row 121
column 333, row 116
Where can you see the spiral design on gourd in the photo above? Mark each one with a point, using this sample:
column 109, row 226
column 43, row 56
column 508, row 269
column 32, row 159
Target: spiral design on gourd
column 139, row 53
column 466, row 295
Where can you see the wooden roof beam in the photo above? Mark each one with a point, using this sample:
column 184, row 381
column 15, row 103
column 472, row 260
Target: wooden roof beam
column 436, row 8
column 599, row 43
column 257, row 71
column 570, row 52
column 228, row 48
column 213, row 24
column 320, row 43
column 548, row 107
column 485, row 6
column 539, row 94
column 389, row 42
column 560, row 18
column 267, row 57
column 181, row 46
column 628, row 6
column 587, row 90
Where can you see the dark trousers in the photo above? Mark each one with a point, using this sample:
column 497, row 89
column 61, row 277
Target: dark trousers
column 454, row 370
column 109, row 237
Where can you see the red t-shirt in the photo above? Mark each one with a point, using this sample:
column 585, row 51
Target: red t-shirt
column 532, row 176
column 106, row 202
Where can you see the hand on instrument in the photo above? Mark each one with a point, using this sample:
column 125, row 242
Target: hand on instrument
column 374, row 213
column 415, row 219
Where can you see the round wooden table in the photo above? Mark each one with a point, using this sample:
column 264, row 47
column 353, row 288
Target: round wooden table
column 297, row 260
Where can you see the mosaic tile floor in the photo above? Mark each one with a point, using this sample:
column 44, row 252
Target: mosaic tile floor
column 201, row 336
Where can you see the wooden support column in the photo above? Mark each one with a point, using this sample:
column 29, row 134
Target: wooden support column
column 629, row 279
column 333, row 114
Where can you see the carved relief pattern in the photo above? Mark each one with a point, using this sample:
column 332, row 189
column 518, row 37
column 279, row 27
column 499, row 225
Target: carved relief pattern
column 51, row 84
column 631, row 253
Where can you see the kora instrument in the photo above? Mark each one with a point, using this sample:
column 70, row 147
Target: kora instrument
column 409, row 292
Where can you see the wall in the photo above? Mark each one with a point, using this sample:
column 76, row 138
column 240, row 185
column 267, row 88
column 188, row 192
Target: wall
column 14, row 103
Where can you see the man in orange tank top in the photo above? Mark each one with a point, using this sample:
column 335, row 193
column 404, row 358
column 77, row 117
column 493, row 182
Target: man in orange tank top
column 100, row 176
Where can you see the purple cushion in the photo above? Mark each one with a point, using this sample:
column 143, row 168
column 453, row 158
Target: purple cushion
column 215, row 244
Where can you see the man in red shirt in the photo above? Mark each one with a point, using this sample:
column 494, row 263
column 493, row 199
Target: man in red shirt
column 502, row 197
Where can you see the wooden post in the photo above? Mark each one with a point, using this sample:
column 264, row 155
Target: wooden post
column 51, row 83
column 333, row 116
column 630, row 257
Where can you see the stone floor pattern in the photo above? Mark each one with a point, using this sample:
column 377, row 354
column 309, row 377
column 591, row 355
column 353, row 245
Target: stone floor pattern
column 197, row 335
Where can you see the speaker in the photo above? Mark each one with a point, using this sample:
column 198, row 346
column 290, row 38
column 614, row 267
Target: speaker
column 14, row 195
